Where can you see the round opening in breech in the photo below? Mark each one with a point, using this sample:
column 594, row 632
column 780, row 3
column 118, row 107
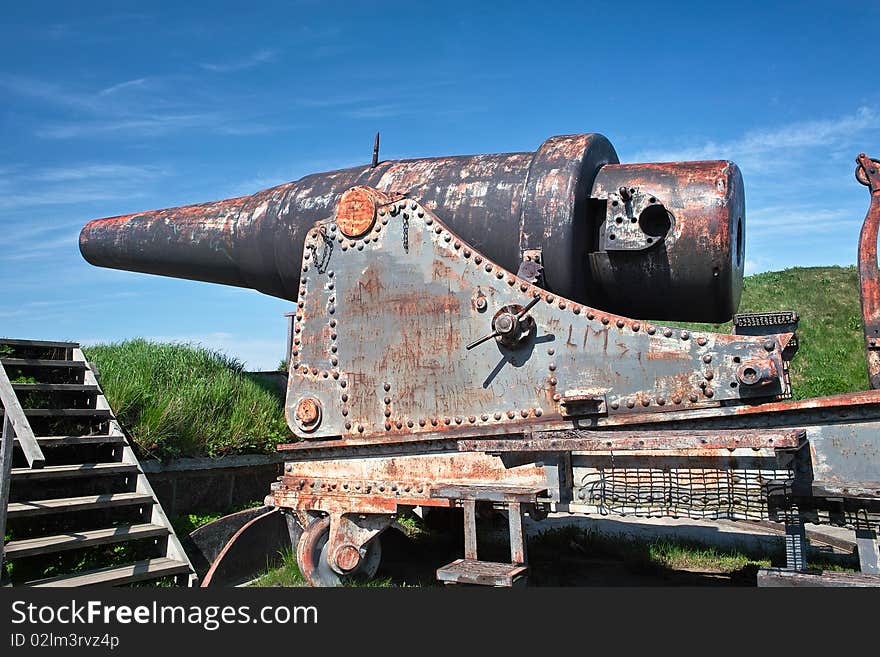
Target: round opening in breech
column 655, row 221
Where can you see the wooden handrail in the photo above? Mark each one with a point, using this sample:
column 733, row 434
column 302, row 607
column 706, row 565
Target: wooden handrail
column 19, row 422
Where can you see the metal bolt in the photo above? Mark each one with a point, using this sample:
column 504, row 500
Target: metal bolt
column 769, row 345
column 707, row 358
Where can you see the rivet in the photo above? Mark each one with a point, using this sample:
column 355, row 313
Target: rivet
column 438, row 229
column 499, row 274
column 332, row 323
column 478, row 259
column 343, row 383
column 685, row 335
column 421, row 422
column 484, row 417
column 646, row 402
column 387, row 400
column 334, row 360
column 457, row 244
column 488, row 267
column 344, row 396
column 447, row 238
column 446, row 420
column 651, row 330
column 708, row 392
column 630, row 403
column 387, row 426
column 386, row 386
column 398, row 424
column 615, row 404
column 457, row 420
column 524, row 413
column 676, row 399
column 429, row 221
column 348, row 425
column 605, row 320
column 667, row 333
column 335, row 375
column 707, row 358
column 591, row 316
column 552, row 367
column 710, row 376
column 472, row 419
column 497, row 415
column 769, row 345
column 661, row 401
column 562, row 305
column 550, row 298
column 361, row 428
column 636, row 326
column 557, row 397
column 413, row 206
column 511, row 415
column 577, row 310
column 701, row 341
column 693, row 398
column 551, row 351
column 552, row 381
column 434, row 421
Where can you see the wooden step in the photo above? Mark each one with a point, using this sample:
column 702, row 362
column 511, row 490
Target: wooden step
column 74, row 470
column 42, row 362
column 29, row 547
column 55, row 387
column 101, row 413
column 484, row 573
column 66, row 504
column 115, row 575
column 12, row 342
column 63, row 441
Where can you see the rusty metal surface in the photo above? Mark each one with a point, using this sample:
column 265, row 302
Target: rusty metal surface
column 381, row 484
column 685, row 222
column 381, row 337
column 581, row 441
column 507, row 206
column 868, row 173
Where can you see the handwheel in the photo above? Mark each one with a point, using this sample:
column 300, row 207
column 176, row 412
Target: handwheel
column 312, row 556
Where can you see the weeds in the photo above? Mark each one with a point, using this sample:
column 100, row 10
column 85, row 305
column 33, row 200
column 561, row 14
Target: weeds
column 185, row 400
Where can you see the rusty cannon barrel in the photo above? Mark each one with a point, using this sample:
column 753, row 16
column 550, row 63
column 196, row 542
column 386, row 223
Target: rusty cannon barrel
column 658, row 241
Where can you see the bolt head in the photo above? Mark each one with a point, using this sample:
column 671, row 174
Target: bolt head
column 308, row 411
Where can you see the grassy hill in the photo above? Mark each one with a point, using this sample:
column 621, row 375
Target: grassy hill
column 180, row 400
column 830, row 357
column 185, row 400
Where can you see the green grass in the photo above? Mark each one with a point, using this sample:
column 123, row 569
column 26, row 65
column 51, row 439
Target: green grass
column 185, row 400
column 650, row 556
column 830, row 357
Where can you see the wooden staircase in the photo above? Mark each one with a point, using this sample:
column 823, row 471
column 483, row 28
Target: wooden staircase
column 74, row 504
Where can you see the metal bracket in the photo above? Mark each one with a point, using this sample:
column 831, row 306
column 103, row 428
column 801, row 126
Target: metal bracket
column 634, row 221
column 868, row 173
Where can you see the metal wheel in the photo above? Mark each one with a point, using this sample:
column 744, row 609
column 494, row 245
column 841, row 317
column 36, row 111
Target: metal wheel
column 312, row 556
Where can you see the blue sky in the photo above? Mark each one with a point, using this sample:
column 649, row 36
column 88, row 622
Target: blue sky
column 111, row 108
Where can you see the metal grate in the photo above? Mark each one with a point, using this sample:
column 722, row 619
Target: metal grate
column 699, row 493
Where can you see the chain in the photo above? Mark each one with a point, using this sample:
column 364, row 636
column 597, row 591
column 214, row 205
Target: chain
column 406, row 232
column 325, row 255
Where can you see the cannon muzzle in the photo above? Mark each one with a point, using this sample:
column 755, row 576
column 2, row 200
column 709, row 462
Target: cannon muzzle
column 656, row 241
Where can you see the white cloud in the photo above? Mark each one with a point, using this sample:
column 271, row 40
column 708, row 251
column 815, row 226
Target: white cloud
column 249, row 61
column 758, row 148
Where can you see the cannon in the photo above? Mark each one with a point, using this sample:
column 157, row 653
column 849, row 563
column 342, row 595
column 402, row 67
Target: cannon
column 499, row 330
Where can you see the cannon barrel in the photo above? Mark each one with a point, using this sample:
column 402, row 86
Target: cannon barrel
column 655, row 241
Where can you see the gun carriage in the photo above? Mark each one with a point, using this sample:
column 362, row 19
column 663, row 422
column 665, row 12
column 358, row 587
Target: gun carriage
column 500, row 329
